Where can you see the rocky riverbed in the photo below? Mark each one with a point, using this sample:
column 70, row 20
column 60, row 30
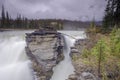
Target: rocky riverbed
column 44, row 49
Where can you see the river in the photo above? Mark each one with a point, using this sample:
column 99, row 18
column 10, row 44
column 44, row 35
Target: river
column 65, row 67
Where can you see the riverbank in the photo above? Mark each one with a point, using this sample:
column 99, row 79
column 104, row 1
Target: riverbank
column 97, row 57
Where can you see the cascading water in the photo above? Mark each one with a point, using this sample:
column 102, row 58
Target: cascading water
column 14, row 64
column 65, row 67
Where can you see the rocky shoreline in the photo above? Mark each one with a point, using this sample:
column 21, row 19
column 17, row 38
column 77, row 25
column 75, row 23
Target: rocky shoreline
column 44, row 48
column 87, row 68
column 82, row 71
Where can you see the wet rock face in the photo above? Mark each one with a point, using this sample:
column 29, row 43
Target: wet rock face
column 45, row 51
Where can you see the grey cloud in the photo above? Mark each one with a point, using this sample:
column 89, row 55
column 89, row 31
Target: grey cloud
column 65, row 9
column 36, row 1
column 1, row 2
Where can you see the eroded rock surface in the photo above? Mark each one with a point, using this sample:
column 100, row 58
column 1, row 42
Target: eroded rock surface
column 44, row 48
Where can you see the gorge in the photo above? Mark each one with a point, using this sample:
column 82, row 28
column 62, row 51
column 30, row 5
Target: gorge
column 46, row 62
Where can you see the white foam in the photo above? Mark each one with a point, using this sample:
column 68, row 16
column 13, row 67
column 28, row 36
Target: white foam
column 14, row 64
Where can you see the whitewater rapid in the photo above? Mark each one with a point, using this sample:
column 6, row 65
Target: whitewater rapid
column 14, row 64
column 65, row 67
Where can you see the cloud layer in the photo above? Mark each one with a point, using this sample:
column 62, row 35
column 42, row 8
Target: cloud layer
column 84, row 10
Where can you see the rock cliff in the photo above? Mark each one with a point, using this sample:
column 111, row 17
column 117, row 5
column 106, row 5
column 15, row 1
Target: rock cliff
column 44, row 48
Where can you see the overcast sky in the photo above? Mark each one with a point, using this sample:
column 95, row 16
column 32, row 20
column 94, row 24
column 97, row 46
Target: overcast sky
column 84, row 10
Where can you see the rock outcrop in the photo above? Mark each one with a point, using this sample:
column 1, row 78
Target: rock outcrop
column 82, row 72
column 44, row 49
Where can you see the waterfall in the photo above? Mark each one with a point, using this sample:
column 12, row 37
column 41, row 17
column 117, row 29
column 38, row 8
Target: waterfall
column 14, row 64
column 65, row 67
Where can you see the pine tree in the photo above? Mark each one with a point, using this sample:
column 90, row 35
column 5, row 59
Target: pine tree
column 108, row 19
column 7, row 20
column 112, row 15
column 3, row 17
column 25, row 22
column 18, row 21
column 117, row 12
